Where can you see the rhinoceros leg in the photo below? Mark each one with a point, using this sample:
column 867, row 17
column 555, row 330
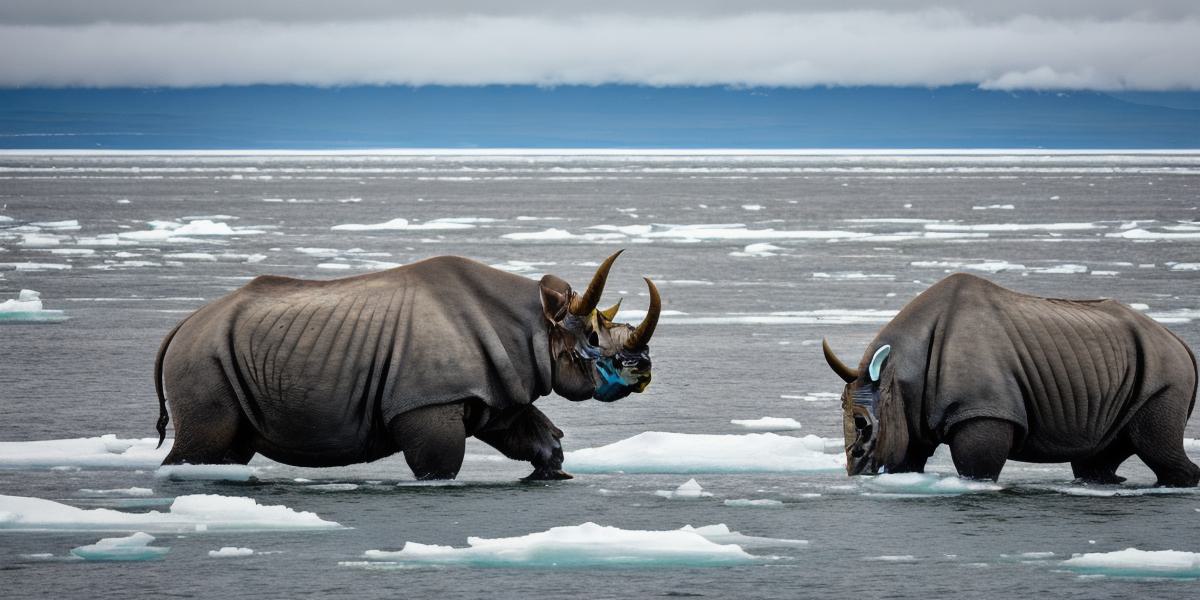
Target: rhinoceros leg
column 980, row 447
column 209, row 425
column 433, row 439
column 526, row 433
column 1156, row 432
column 1102, row 467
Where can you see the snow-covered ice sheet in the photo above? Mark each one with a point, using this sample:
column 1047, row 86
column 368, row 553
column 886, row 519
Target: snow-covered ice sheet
column 130, row 548
column 768, row 424
column 1132, row 562
column 195, row 512
column 664, row 452
column 207, row 472
column 28, row 307
column 585, row 545
column 925, row 484
column 175, row 232
column 104, row 452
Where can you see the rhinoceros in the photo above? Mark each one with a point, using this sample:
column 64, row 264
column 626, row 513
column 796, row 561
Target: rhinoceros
column 413, row 359
column 1000, row 375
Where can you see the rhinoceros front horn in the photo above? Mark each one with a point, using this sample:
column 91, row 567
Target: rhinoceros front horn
column 583, row 304
column 641, row 335
column 846, row 373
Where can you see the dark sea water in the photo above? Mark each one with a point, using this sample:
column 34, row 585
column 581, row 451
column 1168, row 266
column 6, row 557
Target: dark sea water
column 761, row 256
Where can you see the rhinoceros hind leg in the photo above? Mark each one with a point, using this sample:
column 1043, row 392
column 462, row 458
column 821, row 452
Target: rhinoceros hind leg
column 433, row 439
column 526, row 433
column 980, row 447
column 1156, row 432
column 209, row 425
column 1102, row 467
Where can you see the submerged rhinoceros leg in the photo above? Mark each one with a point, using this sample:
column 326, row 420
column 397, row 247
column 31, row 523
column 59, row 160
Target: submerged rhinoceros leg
column 1102, row 467
column 433, row 439
column 980, row 447
column 208, row 421
column 1156, row 432
column 525, row 433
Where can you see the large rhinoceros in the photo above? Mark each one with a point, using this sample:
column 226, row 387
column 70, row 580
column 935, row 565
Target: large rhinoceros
column 998, row 374
column 412, row 359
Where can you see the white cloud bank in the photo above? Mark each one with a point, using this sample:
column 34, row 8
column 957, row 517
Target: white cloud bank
column 914, row 46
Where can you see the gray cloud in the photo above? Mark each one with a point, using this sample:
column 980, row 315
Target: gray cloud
column 1070, row 45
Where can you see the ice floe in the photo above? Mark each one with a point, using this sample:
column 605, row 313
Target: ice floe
column 34, row 266
column 134, row 547
column 757, row 250
column 721, row 534
column 690, row 490
column 1010, row 227
column 132, row 491
column 768, row 424
column 206, row 472
column 171, row 230
column 585, row 545
column 663, row 452
column 1185, row 267
column 26, row 308
column 106, row 451
column 925, row 484
column 755, row 503
column 1139, row 234
column 831, row 316
column 401, row 224
column 196, row 512
column 994, row 207
column 1132, row 562
column 231, row 552
column 1113, row 491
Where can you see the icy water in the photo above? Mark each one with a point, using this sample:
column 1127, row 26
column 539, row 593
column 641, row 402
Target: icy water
column 761, row 256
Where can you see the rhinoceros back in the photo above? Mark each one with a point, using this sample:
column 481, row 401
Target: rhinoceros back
column 326, row 365
column 1069, row 373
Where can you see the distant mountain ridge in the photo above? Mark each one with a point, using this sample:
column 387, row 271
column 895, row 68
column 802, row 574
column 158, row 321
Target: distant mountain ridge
column 613, row 116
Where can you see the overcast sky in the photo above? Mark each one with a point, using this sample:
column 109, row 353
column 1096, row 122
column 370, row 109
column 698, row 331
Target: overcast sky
column 1071, row 44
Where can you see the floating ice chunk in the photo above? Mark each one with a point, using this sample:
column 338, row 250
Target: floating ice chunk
column 994, row 207
column 130, row 548
column 72, row 251
column 758, row 503
column 586, row 545
column 71, row 225
column 855, row 276
column 688, row 491
column 768, row 424
column 1132, row 562
column 132, row 491
column 28, row 307
column 404, row 225
column 662, row 452
column 38, row 240
column 925, row 484
column 198, row 256
column 752, row 207
column 1182, row 315
column 738, row 231
column 206, row 472
column 1007, row 227
column 1065, row 269
column 335, row 266
column 231, row 552
column 197, row 512
column 892, row 558
column 319, row 252
column 1107, row 491
column 332, row 487
column 4, row 219
column 1145, row 234
column 1185, row 267
column 631, row 230
column 551, row 234
column 521, row 266
column 812, row 396
column 758, row 250
column 832, row 316
column 987, row 266
column 107, row 451
column 34, row 266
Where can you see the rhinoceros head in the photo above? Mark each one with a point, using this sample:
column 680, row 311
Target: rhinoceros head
column 873, row 418
column 593, row 356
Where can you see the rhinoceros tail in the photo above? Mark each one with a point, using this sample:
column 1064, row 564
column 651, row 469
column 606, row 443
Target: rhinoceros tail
column 163, row 417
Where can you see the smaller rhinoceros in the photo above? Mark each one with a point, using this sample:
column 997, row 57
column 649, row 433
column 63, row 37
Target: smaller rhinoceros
column 1000, row 375
column 413, row 359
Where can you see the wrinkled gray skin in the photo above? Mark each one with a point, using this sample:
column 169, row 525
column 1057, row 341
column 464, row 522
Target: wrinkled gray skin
column 413, row 359
column 1001, row 375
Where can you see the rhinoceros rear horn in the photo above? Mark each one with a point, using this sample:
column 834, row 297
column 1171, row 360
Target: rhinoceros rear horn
column 641, row 335
column 846, row 373
column 585, row 303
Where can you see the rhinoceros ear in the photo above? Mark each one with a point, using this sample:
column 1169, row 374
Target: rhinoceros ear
column 556, row 295
column 877, row 361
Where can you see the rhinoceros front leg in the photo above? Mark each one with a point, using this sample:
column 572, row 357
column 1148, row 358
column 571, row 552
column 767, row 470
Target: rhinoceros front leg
column 525, row 433
column 980, row 447
column 433, row 439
